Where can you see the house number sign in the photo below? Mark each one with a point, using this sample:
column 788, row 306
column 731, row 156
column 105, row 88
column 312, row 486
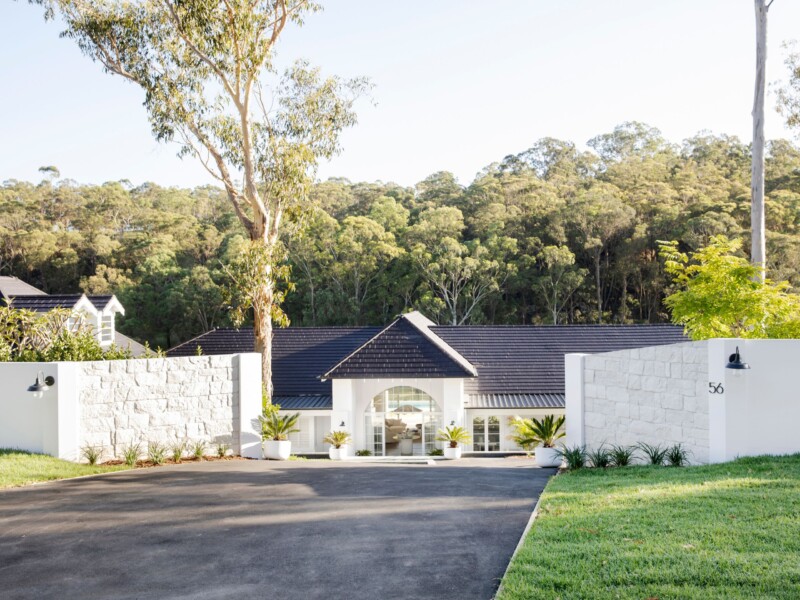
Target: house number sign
column 715, row 388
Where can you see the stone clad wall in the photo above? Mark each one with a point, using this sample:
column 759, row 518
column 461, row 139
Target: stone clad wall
column 655, row 395
column 164, row 400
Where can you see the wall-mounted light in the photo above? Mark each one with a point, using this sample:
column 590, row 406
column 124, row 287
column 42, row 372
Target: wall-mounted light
column 41, row 385
column 735, row 361
column 452, row 423
column 341, row 424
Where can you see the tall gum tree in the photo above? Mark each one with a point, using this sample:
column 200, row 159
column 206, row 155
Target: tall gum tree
column 211, row 84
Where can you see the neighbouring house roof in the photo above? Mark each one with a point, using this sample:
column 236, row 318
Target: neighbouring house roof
column 517, row 366
column 11, row 286
column 405, row 348
column 126, row 343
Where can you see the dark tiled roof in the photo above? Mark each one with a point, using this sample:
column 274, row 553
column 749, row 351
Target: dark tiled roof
column 515, row 401
column 518, row 359
column 100, row 302
column 44, row 303
column 300, row 354
column 304, row 402
column 400, row 350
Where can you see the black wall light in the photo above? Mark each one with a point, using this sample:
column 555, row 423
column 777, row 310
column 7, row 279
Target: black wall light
column 341, row 424
column 735, row 361
column 42, row 384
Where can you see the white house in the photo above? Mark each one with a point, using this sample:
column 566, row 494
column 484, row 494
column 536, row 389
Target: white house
column 412, row 377
column 99, row 311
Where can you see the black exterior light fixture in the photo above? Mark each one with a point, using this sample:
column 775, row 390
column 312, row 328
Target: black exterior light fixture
column 341, row 424
column 735, row 361
column 41, row 385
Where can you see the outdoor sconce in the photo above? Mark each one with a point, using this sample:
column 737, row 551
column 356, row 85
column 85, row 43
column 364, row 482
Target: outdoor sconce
column 452, row 423
column 341, row 424
column 735, row 361
column 41, row 385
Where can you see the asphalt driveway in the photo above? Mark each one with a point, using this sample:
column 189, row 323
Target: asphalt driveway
column 256, row 529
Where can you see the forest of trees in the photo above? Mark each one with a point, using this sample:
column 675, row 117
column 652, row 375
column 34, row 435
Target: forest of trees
column 550, row 235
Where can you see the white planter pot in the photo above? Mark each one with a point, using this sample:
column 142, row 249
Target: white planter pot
column 452, row 453
column 547, row 457
column 338, row 453
column 277, row 450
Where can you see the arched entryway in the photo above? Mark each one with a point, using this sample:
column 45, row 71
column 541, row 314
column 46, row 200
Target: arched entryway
column 402, row 421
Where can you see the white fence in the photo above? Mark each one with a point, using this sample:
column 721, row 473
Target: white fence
column 683, row 393
column 112, row 404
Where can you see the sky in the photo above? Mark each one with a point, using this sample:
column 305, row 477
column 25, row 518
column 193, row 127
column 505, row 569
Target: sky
column 459, row 84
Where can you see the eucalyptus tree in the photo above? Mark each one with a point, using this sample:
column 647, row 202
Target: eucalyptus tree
column 211, row 84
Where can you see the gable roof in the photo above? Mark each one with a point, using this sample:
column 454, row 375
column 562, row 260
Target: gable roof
column 407, row 347
column 45, row 303
column 516, row 359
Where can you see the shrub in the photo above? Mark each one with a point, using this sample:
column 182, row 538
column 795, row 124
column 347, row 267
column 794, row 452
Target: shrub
column 130, row 454
column 277, row 427
column 655, row 453
column 91, row 454
column 600, row 457
column 156, row 453
column 529, row 433
column 453, row 435
column 199, row 449
column 435, row 452
column 574, row 456
column 363, row 452
column 622, row 456
column 178, row 449
column 677, row 456
column 222, row 449
column 337, row 439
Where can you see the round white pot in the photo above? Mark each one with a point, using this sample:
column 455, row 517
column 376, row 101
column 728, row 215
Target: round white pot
column 452, row 453
column 338, row 453
column 547, row 457
column 277, row 450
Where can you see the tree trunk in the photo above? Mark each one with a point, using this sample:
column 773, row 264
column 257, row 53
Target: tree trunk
column 758, row 249
column 262, row 329
column 599, row 288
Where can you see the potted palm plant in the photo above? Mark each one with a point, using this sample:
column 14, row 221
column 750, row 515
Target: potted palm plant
column 338, row 440
column 453, row 435
column 541, row 434
column 275, row 430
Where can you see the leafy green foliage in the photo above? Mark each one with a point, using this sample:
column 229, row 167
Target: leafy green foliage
column 720, row 295
column 574, row 456
column 364, row 452
column 91, row 454
column 337, row 439
column 130, row 454
column 453, row 435
column 529, row 433
column 677, row 456
column 177, row 450
column 198, row 449
column 278, row 427
column 156, row 453
column 656, row 454
column 435, row 452
column 600, row 457
column 622, row 456
column 222, row 449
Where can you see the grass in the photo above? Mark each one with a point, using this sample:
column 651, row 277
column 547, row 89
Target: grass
column 720, row 531
column 19, row 468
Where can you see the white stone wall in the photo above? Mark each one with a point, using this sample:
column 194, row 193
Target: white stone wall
column 656, row 395
column 164, row 400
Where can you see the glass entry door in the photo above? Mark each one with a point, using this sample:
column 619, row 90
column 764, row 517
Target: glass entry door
column 486, row 434
column 402, row 421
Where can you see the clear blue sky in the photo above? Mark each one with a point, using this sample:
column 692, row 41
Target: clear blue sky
column 459, row 84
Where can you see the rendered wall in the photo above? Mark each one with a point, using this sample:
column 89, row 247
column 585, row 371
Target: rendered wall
column 111, row 404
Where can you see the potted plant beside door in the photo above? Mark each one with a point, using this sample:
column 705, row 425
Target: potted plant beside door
column 338, row 440
column 453, row 435
column 543, row 434
column 275, row 430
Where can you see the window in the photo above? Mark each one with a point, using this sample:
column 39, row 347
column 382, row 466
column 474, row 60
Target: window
column 107, row 329
column 403, row 399
column 486, row 434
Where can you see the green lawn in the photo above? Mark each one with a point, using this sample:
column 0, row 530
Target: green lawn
column 21, row 468
column 723, row 531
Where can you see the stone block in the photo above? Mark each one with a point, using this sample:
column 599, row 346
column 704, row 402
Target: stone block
column 671, row 400
column 654, row 384
column 594, row 420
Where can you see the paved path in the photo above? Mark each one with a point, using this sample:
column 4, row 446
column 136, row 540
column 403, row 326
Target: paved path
column 255, row 529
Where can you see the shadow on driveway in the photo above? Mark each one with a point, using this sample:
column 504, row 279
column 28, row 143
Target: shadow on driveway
column 255, row 529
